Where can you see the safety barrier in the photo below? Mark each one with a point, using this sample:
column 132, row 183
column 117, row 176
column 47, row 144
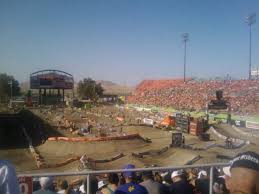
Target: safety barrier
column 150, row 153
column 245, row 133
column 93, row 139
column 89, row 173
column 234, row 140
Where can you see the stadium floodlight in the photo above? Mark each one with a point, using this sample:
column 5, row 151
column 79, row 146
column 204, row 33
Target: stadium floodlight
column 251, row 19
column 185, row 37
column 11, row 94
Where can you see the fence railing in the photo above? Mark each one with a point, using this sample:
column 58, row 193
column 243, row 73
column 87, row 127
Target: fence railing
column 88, row 173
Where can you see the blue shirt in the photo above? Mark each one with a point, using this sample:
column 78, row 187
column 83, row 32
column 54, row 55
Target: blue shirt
column 8, row 179
column 131, row 188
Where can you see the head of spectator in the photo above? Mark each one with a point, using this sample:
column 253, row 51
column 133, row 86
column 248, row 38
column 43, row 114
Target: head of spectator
column 202, row 174
column 147, row 175
column 129, row 176
column 177, row 176
column 8, row 179
column 46, row 183
column 158, row 178
column 101, row 185
column 62, row 186
column 166, row 176
column 243, row 173
column 113, row 181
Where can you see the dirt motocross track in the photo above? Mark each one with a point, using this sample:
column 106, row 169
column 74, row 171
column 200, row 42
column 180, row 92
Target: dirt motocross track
column 57, row 151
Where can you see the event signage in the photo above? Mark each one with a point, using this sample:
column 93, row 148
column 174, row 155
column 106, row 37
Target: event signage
column 25, row 184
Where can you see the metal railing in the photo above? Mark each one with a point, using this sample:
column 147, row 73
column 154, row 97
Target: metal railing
column 88, row 173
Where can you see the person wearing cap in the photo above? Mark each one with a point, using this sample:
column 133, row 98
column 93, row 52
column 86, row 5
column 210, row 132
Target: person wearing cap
column 46, row 184
column 242, row 176
column 130, row 187
column 180, row 184
column 102, row 187
column 8, row 178
column 152, row 186
column 202, row 182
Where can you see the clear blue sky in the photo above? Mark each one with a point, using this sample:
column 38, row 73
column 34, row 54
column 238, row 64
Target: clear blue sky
column 127, row 40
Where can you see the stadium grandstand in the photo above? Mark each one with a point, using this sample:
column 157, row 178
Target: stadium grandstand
column 193, row 95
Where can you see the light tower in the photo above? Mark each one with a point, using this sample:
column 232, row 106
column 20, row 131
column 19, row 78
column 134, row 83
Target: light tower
column 251, row 19
column 185, row 37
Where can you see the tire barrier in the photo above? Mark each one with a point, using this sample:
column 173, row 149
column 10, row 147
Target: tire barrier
column 94, row 139
column 244, row 133
column 223, row 157
column 40, row 162
column 70, row 160
column 111, row 159
column 192, row 161
column 214, row 145
column 150, row 153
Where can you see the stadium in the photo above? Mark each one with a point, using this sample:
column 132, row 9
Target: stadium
column 146, row 131
column 129, row 97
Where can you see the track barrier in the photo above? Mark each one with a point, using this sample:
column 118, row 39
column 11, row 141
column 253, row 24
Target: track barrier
column 94, row 139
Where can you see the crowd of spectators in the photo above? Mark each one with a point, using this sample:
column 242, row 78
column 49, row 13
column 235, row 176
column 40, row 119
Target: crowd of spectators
column 241, row 176
column 229, row 179
column 243, row 95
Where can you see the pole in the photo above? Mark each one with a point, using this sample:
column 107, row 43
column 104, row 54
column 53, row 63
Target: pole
column 185, row 37
column 11, row 89
column 184, row 67
column 250, row 50
column 257, row 74
column 88, row 184
column 211, row 180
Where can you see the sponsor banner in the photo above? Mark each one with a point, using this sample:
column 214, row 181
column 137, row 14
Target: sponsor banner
column 252, row 125
column 148, row 121
column 25, row 184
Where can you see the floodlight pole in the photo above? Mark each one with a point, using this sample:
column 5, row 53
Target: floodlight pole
column 185, row 39
column 11, row 94
column 250, row 20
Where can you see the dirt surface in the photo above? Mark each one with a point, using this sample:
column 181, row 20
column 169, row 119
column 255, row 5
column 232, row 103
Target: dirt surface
column 55, row 152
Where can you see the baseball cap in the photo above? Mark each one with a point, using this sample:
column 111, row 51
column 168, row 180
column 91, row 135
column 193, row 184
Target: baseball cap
column 248, row 160
column 176, row 173
column 82, row 189
column 129, row 174
column 101, row 184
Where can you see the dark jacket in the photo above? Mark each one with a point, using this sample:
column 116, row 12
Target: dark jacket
column 181, row 187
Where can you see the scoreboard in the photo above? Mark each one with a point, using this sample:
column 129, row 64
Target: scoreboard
column 51, row 80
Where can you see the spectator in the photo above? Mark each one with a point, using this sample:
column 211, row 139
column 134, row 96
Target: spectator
column 243, row 174
column 219, row 186
column 202, row 183
column 47, row 186
column 180, row 185
column 62, row 186
column 8, row 179
column 152, row 186
column 130, row 187
column 93, row 186
column 113, row 180
column 103, row 189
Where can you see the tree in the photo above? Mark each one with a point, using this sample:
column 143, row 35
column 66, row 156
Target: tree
column 5, row 86
column 88, row 88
